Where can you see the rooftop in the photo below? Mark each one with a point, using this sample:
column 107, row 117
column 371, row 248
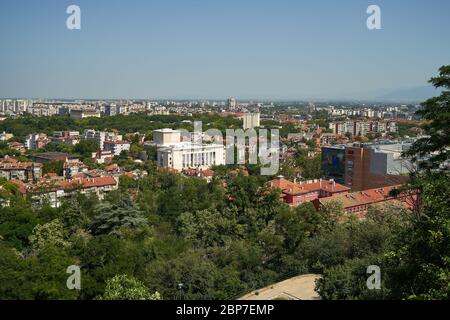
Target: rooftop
column 292, row 188
column 359, row 198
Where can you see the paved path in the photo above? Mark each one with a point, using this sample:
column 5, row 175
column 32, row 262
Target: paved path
column 297, row 288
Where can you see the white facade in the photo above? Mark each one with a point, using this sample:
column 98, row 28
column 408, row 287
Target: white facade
column 116, row 147
column 166, row 137
column 251, row 120
column 101, row 136
column 231, row 104
column 32, row 141
column 82, row 114
column 187, row 155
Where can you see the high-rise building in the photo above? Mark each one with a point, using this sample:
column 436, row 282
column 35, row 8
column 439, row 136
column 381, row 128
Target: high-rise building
column 251, row 120
column 110, row 110
column 231, row 104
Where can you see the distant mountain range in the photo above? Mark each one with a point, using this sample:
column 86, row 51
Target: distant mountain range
column 414, row 94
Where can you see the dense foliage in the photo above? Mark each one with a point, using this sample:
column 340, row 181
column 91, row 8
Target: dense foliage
column 218, row 242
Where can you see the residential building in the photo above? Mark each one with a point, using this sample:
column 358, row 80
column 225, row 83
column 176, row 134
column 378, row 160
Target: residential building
column 362, row 128
column 72, row 169
column 17, row 146
column 5, row 136
column 231, row 104
column 295, row 194
column 251, row 120
column 82, row 114
column 54, row 156
column 66, row 137
column 116, row 147
column 36, row 141
column 11, row 169
column 54, row 192
column 102, row 156
column 101, row 136
column 204, row 174
column 358, row 203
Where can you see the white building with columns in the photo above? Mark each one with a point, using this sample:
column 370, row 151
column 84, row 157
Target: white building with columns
column 174, row 154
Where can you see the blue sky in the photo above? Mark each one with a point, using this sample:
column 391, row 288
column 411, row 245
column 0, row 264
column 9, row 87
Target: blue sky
column 278, row 49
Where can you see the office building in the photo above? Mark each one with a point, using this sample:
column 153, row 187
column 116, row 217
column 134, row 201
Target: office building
column 333, row 163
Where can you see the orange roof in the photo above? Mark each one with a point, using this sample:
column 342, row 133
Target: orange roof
column 74, row 165
column 117, row 142
column 195, row 172
column 20, row 184
column 113, row 167
column 18, row 165
column 129, row 174
column 51, row 174
column 67, row 184
column 9, row 160
column 89, row 183
column 359, row 198
column 16, row 144
column 292, row 188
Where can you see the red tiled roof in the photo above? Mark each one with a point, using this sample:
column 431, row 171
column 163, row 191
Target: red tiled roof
column 16, row 144
column 18, row 165
column 74, row 165
column 67, row 184
column 292, row 188
column 89, row 183
column 359, row 198
column 21, row 185
column 9, row 160
column 116, row 142
column 195, row 172
column 113, row 167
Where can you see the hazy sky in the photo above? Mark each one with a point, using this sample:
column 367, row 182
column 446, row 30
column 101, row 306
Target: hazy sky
column 218, row 48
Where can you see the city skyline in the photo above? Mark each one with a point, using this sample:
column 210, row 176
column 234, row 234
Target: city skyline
column 263, row 50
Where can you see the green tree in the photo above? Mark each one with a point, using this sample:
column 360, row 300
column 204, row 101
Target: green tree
column 348, row 281
column 85, row 148
column 209, row 227
column 112, row 218
column 47, row 274
column 437, row 111
column 124, row 287
column 419, row 261
column 48, row 234
column 53, row 167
